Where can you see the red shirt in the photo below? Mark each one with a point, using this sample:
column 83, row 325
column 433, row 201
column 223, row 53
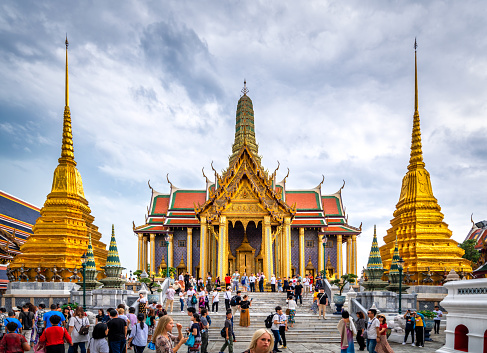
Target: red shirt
column 55, row 335
column 310, row 279
column 12, row 343
column 228, row 279
column 383, row 326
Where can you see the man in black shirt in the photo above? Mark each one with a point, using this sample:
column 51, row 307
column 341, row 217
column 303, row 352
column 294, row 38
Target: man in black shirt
column 26, row 318
column 298, row 293
column 409, row 327
column 117, row 331
column 322, row 303
column 235, row 307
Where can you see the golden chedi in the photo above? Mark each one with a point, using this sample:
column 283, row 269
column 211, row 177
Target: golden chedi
column 61, row 233
column 424, row 240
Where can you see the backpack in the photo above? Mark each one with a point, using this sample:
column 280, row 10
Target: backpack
column 194, row 300
column 233, row 301
column 223, row 333
column 27, row 320
column 268, row 321
column 208, row 318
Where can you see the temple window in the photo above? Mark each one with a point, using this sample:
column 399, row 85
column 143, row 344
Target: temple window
column 461, row 338
column 182, row 243
column 163, row 244
column 310, row 243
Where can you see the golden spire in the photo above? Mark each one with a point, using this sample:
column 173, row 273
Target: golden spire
column 67, row 151
column 416, row 159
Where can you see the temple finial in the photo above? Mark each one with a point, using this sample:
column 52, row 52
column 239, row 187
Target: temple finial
column 66, row 96
column 245, row 90
column 67, row 150
column 416, row 158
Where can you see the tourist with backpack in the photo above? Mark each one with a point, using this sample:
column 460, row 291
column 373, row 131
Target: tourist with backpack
column 261, row 282
column 150, row 321
column 139, row 335
column 26, row 318
column 227, row 333
column 205, row 326
column 13, row 342
column 235, row 303
column 215, row 300
column 192, row 300
column 276, row 322
column 79, row 326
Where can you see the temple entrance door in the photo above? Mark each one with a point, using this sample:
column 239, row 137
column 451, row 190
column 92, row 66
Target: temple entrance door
column 245, row 257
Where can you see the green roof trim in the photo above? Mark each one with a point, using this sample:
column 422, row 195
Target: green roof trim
column 375, row 260
column 339, row 207
column 154, row 204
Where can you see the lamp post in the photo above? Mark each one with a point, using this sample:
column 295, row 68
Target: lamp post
column 400, row 264
column 84, row 258
column 324, row 240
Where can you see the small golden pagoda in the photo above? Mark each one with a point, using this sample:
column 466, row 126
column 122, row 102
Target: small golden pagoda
column 61, row 233
column 423, row 239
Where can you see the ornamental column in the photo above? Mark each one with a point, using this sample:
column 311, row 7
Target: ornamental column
column 287, row 247
column 144, row 265
column 222, row 248
column 321, row 253
column 203, row 248
column 153, row 254
column 301, row 252
column 268, row 268
column 170, row 261
column 139, row 252
column 349, row 255
column 339, row 256
column 354, row 254
column 189, row 250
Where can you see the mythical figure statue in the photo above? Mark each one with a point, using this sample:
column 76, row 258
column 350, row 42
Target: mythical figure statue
column 10, row 275
column 74, row 276
column 39, row 276
column 22, row 274
column 427, row 276
column 55, row 275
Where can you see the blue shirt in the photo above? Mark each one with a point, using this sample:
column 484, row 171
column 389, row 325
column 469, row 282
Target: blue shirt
column 139, row 336
column 51, row 313
column 12, row 319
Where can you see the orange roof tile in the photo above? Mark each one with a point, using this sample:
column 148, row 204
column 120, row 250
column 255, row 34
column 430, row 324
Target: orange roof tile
column 187, row 199
column 331, row 206
column 305, row 200
column 161, row 204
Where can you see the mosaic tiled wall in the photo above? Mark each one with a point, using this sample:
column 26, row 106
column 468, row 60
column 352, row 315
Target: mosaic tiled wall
column 311, row 235
column 235, row 236
column 331, row 251
column 160, row 251
column 179, row 252
column 295, row 248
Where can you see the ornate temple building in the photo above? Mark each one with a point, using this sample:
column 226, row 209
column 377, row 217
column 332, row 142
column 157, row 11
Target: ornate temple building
column 423, row 238
column 61, row 233
column 246, row 219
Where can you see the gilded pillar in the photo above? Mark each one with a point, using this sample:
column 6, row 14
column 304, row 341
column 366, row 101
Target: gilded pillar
column 339, row 256
column 321, row 253
column 189, row 250
column 301, row 252
column 152, row 254
column 278, row 247
column 170, row 261
column 203, row 248
column 348, row 252
column 139, row 252
column 268, row 268
column 287, row 247
column 222, row 248
column 354, row 254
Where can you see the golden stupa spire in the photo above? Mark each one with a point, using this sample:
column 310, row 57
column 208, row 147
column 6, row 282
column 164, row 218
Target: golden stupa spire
column 67, row 151
column 416, row 159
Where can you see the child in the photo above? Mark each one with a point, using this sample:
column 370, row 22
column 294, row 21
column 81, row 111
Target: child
column 13, row 342
column 181, row 301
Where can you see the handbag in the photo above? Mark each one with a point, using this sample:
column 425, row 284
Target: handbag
column 152, row 346
column 288, row 311
column 190, row 341
column 40, row 347
column 83, row 330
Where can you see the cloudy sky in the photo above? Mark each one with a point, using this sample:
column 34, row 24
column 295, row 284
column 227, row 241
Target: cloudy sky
column 154, row 87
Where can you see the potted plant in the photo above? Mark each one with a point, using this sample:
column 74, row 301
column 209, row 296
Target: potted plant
column 429, row 323
column 339, row 299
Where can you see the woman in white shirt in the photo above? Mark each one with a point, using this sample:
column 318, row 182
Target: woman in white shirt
column 139, row 334
column 291, row 305
column 215, row 299
column 190, row 294
column 76, row 323
column 227, row 296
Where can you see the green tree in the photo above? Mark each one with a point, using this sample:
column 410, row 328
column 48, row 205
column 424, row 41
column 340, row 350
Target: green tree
column 340, row 283
column 471, row 253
